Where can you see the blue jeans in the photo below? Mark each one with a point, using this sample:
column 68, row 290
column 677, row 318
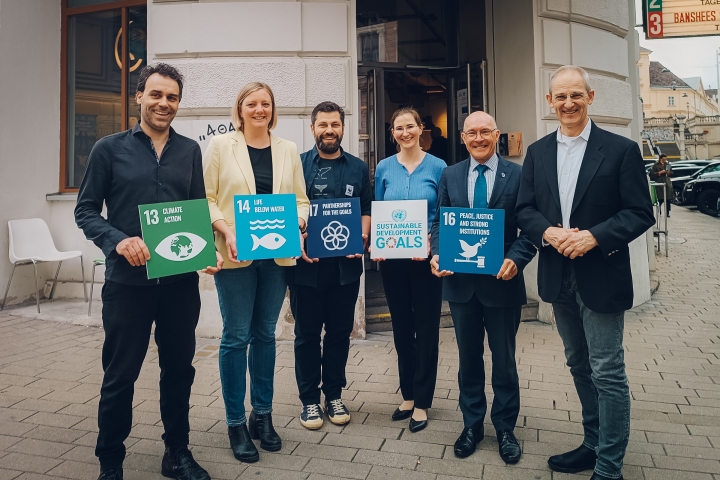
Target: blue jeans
column 595, row 355
column 250, row 301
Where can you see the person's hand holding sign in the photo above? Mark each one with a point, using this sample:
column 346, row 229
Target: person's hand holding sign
column 435, row 267
column 134, row 250
column 213, row 270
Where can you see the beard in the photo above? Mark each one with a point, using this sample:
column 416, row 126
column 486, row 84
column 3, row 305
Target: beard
column 328, row 148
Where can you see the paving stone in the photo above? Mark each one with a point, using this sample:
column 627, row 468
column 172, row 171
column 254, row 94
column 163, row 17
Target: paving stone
column 260, row 473
column 387, row 473
column 27, row 463
column 414, row 448
column 340, row 469
column 31, row 446
column 353, row 441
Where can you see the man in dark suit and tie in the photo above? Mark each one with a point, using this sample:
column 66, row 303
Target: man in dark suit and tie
column 480, row 303
column 584, row 197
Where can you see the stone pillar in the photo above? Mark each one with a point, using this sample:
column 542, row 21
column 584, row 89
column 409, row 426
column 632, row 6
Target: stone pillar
column 681, row 134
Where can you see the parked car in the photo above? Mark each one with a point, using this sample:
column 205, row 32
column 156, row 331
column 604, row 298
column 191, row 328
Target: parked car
column 679, row 180
column 704, row 191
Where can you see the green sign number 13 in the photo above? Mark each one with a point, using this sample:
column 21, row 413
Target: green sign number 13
column 151, row 216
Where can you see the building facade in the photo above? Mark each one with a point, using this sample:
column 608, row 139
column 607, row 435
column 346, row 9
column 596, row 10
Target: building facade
column 69, row 73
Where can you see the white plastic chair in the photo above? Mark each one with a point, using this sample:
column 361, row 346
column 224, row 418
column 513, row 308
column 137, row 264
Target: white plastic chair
column 31, row 242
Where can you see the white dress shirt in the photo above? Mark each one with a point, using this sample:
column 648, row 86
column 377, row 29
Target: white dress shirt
column 570, row 153
column 489, row 173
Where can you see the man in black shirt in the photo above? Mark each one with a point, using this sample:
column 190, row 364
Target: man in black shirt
column 148, row 164
column 324, row 292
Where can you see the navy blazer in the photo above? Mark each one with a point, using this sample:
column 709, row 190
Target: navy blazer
column 453, row 192
column 612, row 201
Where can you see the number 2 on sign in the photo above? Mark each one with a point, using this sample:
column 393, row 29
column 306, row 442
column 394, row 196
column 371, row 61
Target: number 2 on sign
column 449, row 218
column 151, row 216
column 243, row 206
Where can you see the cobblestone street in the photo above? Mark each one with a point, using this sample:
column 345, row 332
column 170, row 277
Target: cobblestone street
column 50, row 377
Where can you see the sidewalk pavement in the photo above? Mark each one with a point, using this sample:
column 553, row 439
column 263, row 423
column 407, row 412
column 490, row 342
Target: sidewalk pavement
column 50, row 378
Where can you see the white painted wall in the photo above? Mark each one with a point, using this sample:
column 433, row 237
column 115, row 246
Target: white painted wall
column 304, row 50
column 29, row 124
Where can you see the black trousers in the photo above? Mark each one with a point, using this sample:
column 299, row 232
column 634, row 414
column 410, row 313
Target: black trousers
column 128, row 314
column 472, row 319
column 328, row 305
column 414, row 297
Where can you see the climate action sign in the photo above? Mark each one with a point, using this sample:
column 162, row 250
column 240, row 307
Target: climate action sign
column 334, row 228
column 266, row 226
column 399, row 229
column 472, row 240
column 179, row 237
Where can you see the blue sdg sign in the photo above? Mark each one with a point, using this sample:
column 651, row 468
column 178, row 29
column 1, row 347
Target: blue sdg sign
column 472, row 240
column 334, row 228
column 266, row 226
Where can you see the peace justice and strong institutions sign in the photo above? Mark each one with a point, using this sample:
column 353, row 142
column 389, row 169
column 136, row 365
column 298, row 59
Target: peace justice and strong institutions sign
column 266, row 226
column 472, row 240
column 334, row 228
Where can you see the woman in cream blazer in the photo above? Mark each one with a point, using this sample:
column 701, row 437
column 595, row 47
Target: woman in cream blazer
column 250, row 161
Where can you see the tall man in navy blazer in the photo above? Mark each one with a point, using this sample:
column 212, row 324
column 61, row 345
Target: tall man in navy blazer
column 583, row 199
column 480, row 303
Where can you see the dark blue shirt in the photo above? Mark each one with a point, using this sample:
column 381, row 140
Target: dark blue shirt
column 124, row 172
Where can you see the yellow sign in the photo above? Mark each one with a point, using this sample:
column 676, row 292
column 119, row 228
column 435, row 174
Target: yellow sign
column 681, row 18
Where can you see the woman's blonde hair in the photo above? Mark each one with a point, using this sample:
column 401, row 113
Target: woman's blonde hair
column 245, row 91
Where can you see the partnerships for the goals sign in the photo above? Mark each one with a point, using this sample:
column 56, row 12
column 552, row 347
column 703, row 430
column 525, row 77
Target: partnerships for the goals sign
column 472, row 240
column 399, row 229
column 179, row 237
column 334, row 228
column 266, row 226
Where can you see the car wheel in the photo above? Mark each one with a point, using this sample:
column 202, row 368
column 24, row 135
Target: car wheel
column 707, row 202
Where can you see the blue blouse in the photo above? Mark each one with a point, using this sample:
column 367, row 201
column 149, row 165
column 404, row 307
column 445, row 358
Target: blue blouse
column 393, row 182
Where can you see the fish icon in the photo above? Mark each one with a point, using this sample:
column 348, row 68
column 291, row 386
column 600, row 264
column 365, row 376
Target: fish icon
column 271, row 241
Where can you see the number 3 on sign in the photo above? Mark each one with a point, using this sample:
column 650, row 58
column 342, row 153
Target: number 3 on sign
column 243, row 206
column 655, row 19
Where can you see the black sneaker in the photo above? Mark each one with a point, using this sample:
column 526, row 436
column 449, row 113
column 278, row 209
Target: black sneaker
column 311, row 416
column 180, row 464
column 111, row 474
column 337, row 412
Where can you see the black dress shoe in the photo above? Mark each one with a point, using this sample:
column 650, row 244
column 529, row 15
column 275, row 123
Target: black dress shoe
column 578, row 460
column 261, row 428
column 111, row 474
column 242, row 445
column 467, row 442
column 597, row 476
column 508, row 447
column 401, row 414
column 179, row 463
column 417, row 425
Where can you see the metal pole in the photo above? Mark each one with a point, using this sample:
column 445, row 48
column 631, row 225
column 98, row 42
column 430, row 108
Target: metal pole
column 717, row 72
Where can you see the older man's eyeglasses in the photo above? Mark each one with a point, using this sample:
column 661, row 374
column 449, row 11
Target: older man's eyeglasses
column 562, row 97
column 485, row 134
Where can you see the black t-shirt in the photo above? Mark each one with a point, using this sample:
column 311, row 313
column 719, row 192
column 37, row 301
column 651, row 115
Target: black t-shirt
column 261, row 161
column 323, row 186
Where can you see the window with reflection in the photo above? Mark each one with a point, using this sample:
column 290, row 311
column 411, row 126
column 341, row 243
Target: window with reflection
column 104, row 49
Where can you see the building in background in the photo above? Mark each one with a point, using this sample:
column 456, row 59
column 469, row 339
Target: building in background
column 70, row 68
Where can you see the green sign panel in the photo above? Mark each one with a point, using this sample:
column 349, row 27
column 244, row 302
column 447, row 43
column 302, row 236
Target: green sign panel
column 179, row 237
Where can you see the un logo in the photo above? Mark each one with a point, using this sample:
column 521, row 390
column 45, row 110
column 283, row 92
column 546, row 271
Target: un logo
column 399, row 215
column 335, row 236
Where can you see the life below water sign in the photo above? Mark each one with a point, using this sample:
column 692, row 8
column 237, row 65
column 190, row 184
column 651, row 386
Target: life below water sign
column 266, row 226
column 179, row 237
column 334, row 228
column 399, row 229
column 472, row 240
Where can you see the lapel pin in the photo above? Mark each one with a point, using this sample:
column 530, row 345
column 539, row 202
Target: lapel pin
column 502, row 174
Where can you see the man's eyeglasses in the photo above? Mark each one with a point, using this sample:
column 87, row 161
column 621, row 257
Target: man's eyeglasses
column 562, row 98
column 486, row 134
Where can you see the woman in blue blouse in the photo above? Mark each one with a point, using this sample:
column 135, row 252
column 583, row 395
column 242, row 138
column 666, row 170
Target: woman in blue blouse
column 413, row 293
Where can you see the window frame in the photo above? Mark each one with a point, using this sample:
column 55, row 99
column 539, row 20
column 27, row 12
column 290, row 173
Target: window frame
column 66, row 13
column 671, row 101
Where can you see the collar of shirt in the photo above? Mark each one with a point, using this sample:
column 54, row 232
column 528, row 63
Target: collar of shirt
column 585, row 135
column 491, row 164
column 137, row 130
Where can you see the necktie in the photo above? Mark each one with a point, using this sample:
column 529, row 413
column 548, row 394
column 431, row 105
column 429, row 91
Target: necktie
column 480, row 195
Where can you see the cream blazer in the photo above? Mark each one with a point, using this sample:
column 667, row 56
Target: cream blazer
column 228, row 172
